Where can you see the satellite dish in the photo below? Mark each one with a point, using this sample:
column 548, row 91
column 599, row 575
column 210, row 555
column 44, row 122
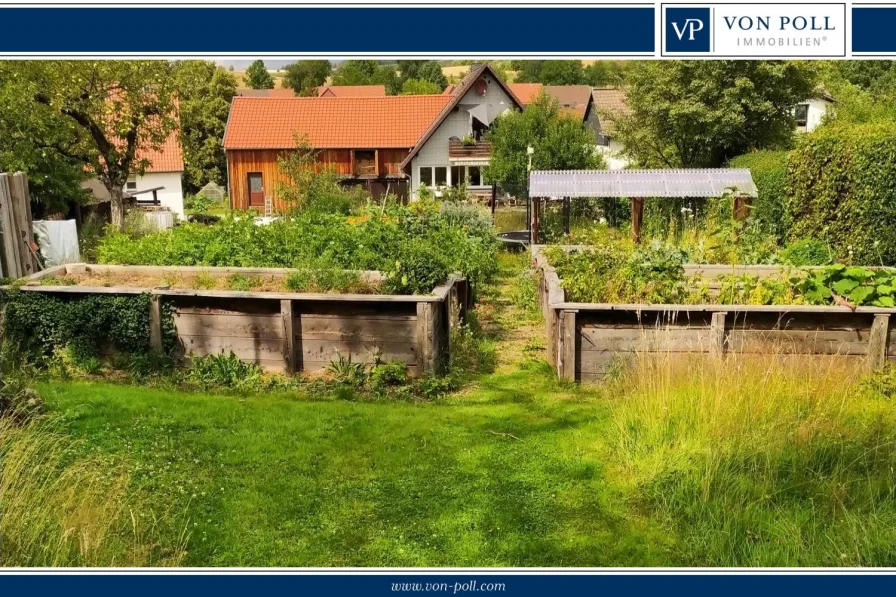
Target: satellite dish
column 481, row 87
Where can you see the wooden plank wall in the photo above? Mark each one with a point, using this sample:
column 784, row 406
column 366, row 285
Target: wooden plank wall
column 18, row 255
column 240, row 162
column 584, row 343
column 257, row 331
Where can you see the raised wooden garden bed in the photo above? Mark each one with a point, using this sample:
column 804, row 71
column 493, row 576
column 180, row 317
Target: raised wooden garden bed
column 585, row 339
column 280, row 331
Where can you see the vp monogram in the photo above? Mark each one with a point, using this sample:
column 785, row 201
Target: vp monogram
column 690, row 27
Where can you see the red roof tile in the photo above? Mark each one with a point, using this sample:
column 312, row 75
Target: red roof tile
column 333, row 122
column 351, row 91
column 167, row 158
column 526, row 92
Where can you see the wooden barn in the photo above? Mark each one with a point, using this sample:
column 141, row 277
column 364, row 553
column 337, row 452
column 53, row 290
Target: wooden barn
column 364, row 139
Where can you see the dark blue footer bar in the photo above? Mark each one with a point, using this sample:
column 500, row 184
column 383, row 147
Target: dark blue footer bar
column 513, row 30
column 230, row 584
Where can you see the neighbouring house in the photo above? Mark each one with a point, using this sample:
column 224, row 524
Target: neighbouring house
column 610, row 103
column 351, row 91
column 161, row 179
column 574, row 98
column 387, row 144
column 453, row 150
column 322, row 91
column 363, row 139
column 265, row 93
column 810, row 113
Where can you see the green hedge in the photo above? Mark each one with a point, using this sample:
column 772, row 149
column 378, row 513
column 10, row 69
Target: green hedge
column 769, row 170
column 842, row 190
column 37, row 324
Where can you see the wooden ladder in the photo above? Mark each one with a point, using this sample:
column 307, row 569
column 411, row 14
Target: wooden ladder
column 268, row 206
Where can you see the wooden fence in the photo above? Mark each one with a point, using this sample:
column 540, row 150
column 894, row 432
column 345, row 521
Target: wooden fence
column 290, row 332
column 18, row 252
column 585, row 339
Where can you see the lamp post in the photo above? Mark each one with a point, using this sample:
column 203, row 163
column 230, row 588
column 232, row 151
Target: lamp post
column 529, row 151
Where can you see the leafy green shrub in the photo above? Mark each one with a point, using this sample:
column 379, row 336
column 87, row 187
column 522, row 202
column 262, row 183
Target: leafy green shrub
column 842, row 190
column 419, row 267
column 769, row 171
column 223, row 371
column 38, row 324
column 609, row 274
column 456, row 239
column 807, row 251
column 198, row 203
column 346, row 371
column 389, row 374
column 857, row 285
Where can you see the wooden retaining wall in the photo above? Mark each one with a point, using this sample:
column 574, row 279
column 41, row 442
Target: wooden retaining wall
column 292, row 332
column 586, row 339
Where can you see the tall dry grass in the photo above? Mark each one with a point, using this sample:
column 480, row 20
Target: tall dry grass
column 760, row 460
column 58, row 508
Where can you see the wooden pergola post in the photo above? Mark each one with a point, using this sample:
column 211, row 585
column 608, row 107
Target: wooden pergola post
column 535, row 220
column 637, row 218
column 742, row 206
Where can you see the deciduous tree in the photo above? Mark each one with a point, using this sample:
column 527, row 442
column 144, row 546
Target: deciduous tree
column 98, row 113
column 701, row 113
column 204, row 92
column 258, row 77
column 558, row 138
column 305, row 76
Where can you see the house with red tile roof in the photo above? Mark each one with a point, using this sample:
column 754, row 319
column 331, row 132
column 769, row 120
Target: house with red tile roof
column 363, row 139
column 386, row 144
column 164, row 170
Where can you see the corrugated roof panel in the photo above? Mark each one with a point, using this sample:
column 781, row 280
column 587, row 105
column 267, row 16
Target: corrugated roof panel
column 709, row 182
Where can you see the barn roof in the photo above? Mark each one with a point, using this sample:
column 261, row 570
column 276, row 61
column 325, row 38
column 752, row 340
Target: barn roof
column 331, row 122
column 709, row 182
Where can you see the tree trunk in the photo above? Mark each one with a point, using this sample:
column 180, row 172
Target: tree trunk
column 116, row 194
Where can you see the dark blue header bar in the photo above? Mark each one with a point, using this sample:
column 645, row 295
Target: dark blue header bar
column 513, row 30
column 873, row 29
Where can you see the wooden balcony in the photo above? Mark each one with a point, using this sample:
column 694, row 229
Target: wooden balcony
column 461, row 150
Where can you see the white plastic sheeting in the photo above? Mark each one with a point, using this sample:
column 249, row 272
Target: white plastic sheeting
column 58, row 241
column 710, row 182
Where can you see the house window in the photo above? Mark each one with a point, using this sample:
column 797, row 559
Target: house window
column 426, row 176
column 457, row 176
column 474, row 176
column 131, row 185
column 801, row 114
column 603, row 140
column 441, row 176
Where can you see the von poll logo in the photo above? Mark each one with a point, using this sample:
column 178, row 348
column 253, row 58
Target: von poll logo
column 755, row 30
column 687, row 30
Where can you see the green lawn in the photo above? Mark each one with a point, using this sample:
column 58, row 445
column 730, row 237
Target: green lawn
column 508, row 479
column 710, row 463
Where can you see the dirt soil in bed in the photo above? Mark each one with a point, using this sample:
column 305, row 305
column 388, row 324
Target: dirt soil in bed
column 204, row 281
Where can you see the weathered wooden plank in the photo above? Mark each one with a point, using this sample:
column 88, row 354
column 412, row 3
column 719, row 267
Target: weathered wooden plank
column 288, row 336
column 360, row 352
column 12, row 267
column 717, row 333
column 155, row 324
column 878, row 342
column 241, row 325
column 21, row 204
column 566, row 347
column 356, row 328
column 798, row 341
column 709, row 308
column 600, row 339
column 594, row 365
column 256, row 349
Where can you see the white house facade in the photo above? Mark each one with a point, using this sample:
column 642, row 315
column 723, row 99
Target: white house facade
column 453, row 150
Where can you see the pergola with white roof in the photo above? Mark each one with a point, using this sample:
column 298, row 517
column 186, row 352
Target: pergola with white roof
column 636, row 185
